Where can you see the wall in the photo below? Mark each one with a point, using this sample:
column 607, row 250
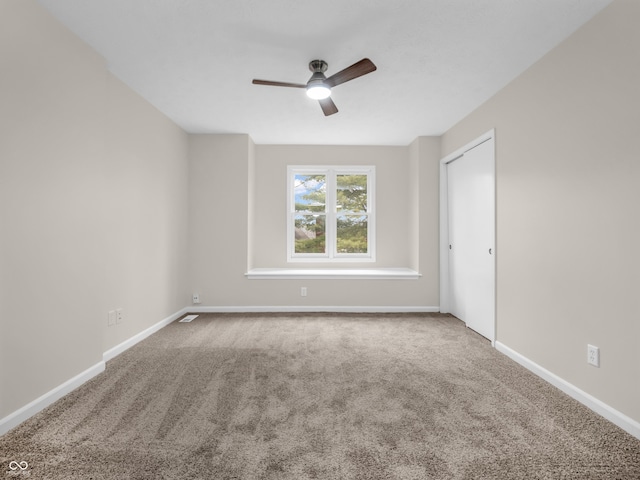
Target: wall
column 218, row 222
column 92, row 204
column 424, row 177
column 145, row 182
column 53, row 102
column 392, row 209
column 238, row 205
column 568, row 264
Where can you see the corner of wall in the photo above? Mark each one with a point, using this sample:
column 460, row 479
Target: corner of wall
column 251, row 179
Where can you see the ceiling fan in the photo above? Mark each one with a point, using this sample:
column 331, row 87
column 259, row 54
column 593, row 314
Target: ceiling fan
column 319, row 86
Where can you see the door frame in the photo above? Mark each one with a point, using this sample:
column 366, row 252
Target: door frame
column 444, row 221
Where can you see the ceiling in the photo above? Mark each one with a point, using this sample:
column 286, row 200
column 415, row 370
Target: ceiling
column 437, row 59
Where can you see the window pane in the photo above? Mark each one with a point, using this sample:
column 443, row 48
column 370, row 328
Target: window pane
column 351, row 193
column 352, row 234
column 310, row 193
column 309, row 234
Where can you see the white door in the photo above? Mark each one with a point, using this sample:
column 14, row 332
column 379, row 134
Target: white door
column 471, row 219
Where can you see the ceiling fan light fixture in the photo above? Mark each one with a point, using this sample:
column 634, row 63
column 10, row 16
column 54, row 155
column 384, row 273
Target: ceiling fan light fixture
column 319, row 87
column 318, row 91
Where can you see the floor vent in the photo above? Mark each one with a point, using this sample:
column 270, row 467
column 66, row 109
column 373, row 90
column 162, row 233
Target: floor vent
column 188, row 319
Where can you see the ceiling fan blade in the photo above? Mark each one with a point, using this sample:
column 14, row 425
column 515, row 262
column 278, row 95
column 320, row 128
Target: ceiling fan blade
column 278, row 84
column 328, row 107
column 356, row 70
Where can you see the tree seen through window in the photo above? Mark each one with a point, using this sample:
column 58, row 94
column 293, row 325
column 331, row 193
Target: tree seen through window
column 334, row 205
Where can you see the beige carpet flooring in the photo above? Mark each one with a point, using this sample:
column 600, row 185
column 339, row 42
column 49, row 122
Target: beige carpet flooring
column 318, row 396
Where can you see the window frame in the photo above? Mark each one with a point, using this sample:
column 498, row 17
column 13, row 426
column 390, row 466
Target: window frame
column 331, row 172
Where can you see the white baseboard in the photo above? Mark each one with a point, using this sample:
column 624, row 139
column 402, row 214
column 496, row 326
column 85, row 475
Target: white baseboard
column 127, row 344
column 614, row 416
column 304, row 309
column 16, row 418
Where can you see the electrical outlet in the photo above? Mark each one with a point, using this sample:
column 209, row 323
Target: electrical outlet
column 593, row 355
column 119, row 315
column 196, row 298
column 111, row 318
column 303, row 291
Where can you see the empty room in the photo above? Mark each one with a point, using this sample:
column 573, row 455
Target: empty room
column 365, row 239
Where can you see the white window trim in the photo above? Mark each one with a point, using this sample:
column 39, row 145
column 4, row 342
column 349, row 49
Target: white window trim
column 331, row 256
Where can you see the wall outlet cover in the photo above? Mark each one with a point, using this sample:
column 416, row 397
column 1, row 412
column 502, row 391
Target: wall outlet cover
column 593, row 355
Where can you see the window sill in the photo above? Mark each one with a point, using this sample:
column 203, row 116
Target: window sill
column 332, row 274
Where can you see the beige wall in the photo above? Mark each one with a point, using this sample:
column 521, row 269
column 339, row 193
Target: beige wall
column 392, row 193
column 218, row 225
column 229, row 175
column 145, row 183
column 424, row 177
column 92, row 202
column 568, row 191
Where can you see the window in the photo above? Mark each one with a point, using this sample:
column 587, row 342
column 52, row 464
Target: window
column 331, row 214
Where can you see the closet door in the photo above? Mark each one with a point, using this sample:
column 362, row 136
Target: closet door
column 471, row 212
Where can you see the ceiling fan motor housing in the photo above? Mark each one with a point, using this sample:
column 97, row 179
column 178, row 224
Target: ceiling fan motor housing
column 316, row 78
column 318, row 66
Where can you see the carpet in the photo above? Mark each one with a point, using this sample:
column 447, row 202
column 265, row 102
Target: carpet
column 318, row 396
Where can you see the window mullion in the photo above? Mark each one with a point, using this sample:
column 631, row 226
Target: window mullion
column 331, row 213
